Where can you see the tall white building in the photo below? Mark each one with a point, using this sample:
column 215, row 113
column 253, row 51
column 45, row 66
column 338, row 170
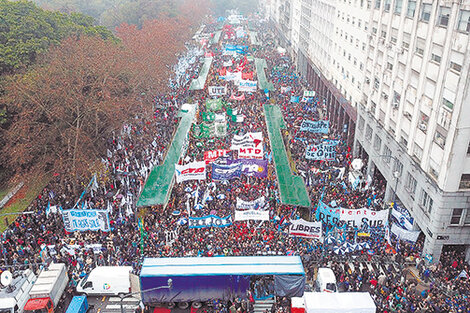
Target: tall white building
column 395, row 73
column 416, row 109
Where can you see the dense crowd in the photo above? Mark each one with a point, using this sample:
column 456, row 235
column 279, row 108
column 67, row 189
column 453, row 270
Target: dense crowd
column 142, row 144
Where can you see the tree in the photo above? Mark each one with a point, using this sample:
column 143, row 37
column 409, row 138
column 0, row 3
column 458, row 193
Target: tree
column 68, row 106
column 27, row 31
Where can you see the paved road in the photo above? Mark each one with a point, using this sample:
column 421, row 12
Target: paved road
column 106, row 304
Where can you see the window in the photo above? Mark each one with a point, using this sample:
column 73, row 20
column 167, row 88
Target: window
column 468, row 149
column 377, row 143
column 444, row 14
column 464, row 21
column 376, row 83
column 426, row 202
column 383, row 34
column 410, row 12
column 406, row 45
column 361, row 123
column 464, row 181
column 387, row 5
column 377, row 4
column 368, row 133
column 456, row 67
column 411, row 184
column 456, row 216
column 419, row 50
column 387, row 154
column 398, row 167
column 436, row 58
column 374, row 30
column 398, row 5
column 393, row 39
column 440, row 139
column 389, row 66
column 426, row 12
column 417, row 151
column 449, row 105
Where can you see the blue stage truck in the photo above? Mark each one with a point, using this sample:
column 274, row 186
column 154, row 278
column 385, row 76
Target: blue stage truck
column 184, row 280
column 79, row 304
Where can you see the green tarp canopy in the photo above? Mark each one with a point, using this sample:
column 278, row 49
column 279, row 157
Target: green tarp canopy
column 291, row 187
column 158, row 187
column 198, row 83
column 216, row 37
column 254, row 38
column 262, row 80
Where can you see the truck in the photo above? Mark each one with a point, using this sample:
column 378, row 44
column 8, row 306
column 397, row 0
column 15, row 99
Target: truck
column 79, row 304
column 106, row 280
column 14, row 296
column 48, row 289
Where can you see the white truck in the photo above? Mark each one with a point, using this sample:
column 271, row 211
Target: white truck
column 13, row 297
column 106, row 280
column 47, row 290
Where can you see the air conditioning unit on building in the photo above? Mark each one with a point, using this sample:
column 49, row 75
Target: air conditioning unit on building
column 367, row 80
column 395, row 105
column 407, row 115
column 422, row 126
column 384, row 95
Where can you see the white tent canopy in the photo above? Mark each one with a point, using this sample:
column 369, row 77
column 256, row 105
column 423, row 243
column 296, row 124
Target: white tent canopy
column 345, row 302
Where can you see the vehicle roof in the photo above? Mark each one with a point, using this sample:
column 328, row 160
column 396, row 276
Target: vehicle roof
column 239, row 265
column 37, row 303
column 75, row 304
column 110, row 270
column 327, row 273
column 17, row 282
column 47, row 278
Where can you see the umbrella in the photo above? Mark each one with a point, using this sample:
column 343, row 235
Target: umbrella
column 365, row 245
column 347, row 245
column 357, row 247
column 221, row 196
column 209, row 198
column 347, row 250
column 330, row 240
column 176, row 213
column 198, row 206
column 370, row 252
column 182, row 221
column 337, row 250
column 188, row 189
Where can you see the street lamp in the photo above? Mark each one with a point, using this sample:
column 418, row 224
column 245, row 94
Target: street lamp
column 2, row 235
column 127, row 295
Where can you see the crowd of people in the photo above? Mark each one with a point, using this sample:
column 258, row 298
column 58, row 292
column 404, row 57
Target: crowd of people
column 142, row 144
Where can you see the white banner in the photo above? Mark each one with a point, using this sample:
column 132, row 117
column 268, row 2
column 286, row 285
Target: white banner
column 249, row 140
column 302, row 228
column 251, row 153
column 247, row 85
column 82, row 220
column 190, row 171
column 403, row 234
column 251, row 205
column 356, row 218
column 251, row 215
column 217, row 90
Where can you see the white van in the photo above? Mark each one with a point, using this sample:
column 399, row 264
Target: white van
column 326, row 280
column 106, row 280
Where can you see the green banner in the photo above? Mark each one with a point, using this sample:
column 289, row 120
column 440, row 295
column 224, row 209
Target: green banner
column 214, row 104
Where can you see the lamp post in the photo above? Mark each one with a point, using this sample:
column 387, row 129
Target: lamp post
column 127, row 295
column 2, row 235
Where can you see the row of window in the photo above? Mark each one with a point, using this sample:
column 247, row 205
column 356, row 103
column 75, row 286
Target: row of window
column 425, row 14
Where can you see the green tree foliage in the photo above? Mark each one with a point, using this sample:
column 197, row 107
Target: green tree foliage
column 27, row 31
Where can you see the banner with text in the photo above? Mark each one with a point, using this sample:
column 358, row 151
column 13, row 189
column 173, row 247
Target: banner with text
column 403, row 234
column 253, row 167
column 350, row 218
column 324, row 151
column 251, row 215
column 315, row 126
column 217, row 90
column 226, row 172
column 82, row 220
column 303, row 228
column 247, row 85
column 209, row 221
column 212, row 155
column 256, row 204
column 191, row 171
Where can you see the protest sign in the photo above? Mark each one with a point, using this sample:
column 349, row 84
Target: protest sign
column 212, row 155
column 253, row 167
column 247, row 85
column 324, row 151
column 190, row 171
column 209, row 221
column 249, row 140
column 226, row 172
column 251, row 215
column 251, row 205
column 217, row 90
column 82, row 220
column 315, row 126
column 403, row 234
column 350, row 218
column 302, row 228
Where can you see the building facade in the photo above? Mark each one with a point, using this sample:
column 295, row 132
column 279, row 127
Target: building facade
column 395, row 74
column 414, row 122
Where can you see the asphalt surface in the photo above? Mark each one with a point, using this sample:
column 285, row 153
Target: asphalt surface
column 111, row 304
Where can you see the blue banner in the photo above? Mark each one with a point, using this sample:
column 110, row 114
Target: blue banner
column 327, row 215
column 210, row 221
column 315, row 126
column 82, row 220
column 238, row 48
column 294, row 99
column 226, row 172
column 325, row 151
